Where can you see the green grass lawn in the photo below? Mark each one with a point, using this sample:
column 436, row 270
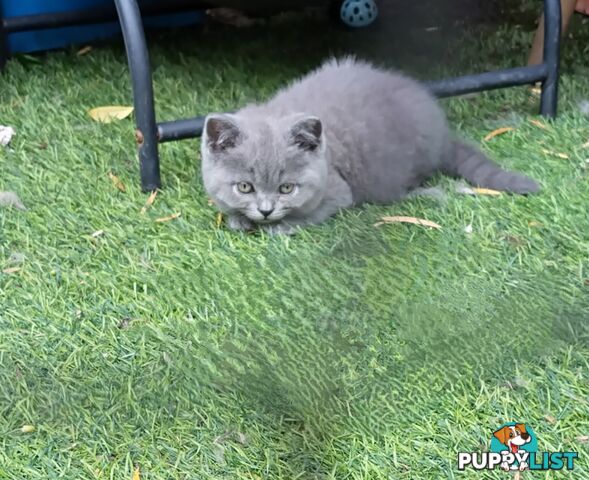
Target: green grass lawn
column 344, row 352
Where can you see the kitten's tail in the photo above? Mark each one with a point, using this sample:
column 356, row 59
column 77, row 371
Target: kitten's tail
column 467, row 161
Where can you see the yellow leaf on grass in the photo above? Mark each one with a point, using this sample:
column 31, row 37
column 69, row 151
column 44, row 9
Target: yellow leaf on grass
column 539, row 124
column 412, row 220
column 149, row 201
column 550, row 419
column 168, row 218
column 536, row 89
column 27, row 428
column 218, row 219
column 116, row 181
column 11, row 270
column 85, row 50
column 499, row 131
column 556, row 154
column 109, row 113
column 136, row 474
column 486, row 191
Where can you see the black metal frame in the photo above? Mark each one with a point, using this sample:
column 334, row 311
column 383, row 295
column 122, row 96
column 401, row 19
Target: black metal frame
column 547, row 72
column 149, row 133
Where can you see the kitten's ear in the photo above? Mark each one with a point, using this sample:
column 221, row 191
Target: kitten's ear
column 307, row 133
column 221, row 132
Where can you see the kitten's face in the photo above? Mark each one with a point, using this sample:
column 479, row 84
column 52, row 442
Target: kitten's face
column 264, row 170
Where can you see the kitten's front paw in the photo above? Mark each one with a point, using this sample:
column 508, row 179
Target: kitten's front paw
column 279, row 229
column 239, row 222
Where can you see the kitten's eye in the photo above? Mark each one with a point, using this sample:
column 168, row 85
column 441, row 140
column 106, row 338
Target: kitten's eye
column 245, row 187
column 286, row 188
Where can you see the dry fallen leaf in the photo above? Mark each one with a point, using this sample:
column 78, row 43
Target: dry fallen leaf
column 10, row 199
column 539, row 124
column 556, row 154
column 27, row 428
column 467, row 190
column 11, row 270
column 486, row 191
column 116, row 181
column 499, row 131
column 210, row 202
column 583, row 439
column 168, row 218
column 85, row 50
column 550, row 419
column 412, row 220
column 149, row 201
column 109, row 113
column 218, row 219
column 136, row 474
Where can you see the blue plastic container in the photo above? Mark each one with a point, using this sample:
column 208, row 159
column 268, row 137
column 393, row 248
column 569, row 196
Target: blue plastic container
column 61, row 37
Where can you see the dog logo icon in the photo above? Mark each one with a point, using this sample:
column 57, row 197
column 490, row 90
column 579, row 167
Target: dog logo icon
column 514, row 438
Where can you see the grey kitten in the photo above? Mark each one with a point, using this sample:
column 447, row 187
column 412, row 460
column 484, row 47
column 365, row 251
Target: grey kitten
column 346, row 134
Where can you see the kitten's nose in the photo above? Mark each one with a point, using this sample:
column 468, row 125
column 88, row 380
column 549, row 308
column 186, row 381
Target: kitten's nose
column 265, row 212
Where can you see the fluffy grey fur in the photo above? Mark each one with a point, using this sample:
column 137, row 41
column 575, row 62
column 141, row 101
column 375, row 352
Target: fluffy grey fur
column 346, row 134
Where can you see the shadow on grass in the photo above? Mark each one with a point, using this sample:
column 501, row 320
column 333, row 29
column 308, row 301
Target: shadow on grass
column 355, row 372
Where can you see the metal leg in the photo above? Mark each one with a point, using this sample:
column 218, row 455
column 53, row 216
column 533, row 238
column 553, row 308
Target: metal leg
column 138, row 57
column 487, row 81
column 552, row 29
